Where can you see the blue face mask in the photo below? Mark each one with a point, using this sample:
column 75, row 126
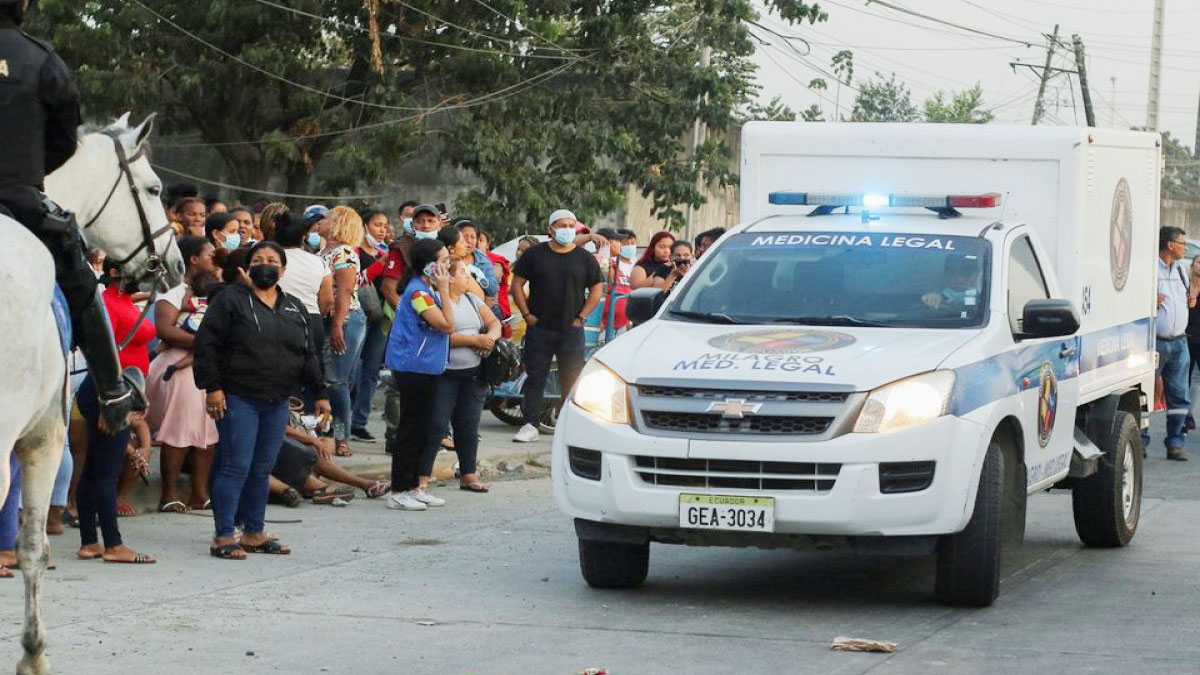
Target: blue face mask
column 232, row 241
column 313, row 240
column 419, row 235
column 628, row 251
column 564, row 235
column 407, row 225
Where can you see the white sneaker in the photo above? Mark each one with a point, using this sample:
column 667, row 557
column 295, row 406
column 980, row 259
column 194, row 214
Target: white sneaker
column 427, row 499
column 405, row 501
column 527, row 434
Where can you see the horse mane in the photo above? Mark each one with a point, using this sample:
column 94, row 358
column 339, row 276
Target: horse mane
column 114, row 128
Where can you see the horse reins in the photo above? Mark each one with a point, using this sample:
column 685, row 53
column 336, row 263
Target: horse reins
column 155, row 267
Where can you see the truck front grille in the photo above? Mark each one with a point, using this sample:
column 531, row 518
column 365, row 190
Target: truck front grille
column 715, row 423
column 756, row 396
column 736, row 474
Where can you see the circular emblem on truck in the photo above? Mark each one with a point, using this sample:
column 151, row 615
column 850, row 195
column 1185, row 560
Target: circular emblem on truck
column 1047, row 403
column 1120, row 234
column 781, row 341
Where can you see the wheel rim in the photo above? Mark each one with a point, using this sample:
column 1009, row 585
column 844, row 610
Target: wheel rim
column 1129, row 487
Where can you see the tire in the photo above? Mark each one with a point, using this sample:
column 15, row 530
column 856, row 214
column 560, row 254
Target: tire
column 1108, row 504
column 507, row 411
column 611, row 565
column 968, row 563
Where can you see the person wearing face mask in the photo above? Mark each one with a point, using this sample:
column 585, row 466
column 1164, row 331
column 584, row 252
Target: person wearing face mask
column 620, row 266
column 426, row 221
column 372, row 256
column 223, row 231
column 960, row 288
column 565, row 285
column 307, row 277
column 253, row 350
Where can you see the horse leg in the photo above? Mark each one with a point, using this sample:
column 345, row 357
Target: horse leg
column 40, row 453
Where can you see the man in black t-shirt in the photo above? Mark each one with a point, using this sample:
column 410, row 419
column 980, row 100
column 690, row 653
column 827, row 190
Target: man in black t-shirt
column 565, row 285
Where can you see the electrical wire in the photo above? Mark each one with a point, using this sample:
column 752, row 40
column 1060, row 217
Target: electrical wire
column 392, row 36
column 904, row 10
column 269, row 193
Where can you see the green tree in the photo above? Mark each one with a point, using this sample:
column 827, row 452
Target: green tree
column 775, row 111
column 884, row 100
column 1181, row 175
column 548, row 103
column 812, row 114
column 963, row 107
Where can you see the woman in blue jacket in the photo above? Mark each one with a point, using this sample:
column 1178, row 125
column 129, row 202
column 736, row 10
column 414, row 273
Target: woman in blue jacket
column 417, row 349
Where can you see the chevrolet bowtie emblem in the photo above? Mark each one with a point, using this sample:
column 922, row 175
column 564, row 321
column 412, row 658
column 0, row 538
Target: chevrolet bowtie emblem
column 734, row 408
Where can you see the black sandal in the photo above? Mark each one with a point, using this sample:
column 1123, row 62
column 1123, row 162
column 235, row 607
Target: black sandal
column 269, row 547
column 226, row 551
column 291, row 498
column 326, row 495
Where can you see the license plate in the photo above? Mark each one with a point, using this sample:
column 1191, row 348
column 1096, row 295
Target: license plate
column 722, row 512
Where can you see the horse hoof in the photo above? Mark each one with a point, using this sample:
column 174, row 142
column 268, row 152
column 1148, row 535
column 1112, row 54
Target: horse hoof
column 33, row 666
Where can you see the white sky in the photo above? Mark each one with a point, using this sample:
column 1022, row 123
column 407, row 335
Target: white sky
column 928, row 56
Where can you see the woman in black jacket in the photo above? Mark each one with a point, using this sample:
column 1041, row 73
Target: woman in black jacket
column 252, row 352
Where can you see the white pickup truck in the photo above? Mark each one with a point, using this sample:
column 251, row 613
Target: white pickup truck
column 913, row 328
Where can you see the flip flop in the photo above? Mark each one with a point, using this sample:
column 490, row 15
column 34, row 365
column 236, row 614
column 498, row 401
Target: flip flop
column 5, row 574
column 139, row 559
column 343, row 450
column 125, row 510
column 379, row 489
column 226, row 551
column 175, row 506
column 269, row 547
column 476, row 487
column 326, row 495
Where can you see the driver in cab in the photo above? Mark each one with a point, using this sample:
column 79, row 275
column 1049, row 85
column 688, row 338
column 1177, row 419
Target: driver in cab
column 960, row 288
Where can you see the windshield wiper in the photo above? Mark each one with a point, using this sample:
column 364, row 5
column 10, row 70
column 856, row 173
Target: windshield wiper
column 712, row 317
column 837, row 320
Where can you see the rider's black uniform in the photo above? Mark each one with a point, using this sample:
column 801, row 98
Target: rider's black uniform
column 39, row 115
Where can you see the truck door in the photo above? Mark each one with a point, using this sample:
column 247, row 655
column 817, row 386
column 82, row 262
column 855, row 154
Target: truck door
column 1046, row 369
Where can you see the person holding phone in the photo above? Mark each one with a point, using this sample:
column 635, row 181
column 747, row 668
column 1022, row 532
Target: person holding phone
column 417, row 351
column 658, row 268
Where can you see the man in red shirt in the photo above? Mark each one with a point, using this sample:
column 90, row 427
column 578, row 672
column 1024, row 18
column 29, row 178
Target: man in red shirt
column 426, row 221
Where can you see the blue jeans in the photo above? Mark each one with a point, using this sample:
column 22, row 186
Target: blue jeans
column 366, row 378
column 9, row 514
column 458, row 402
column 1173, row 365
column 96, row 496
column 341, row 372
column 543, row 346
column 250, row 435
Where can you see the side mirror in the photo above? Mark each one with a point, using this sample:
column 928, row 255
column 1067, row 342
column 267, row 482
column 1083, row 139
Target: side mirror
column 644, row 303
column 1048, row 318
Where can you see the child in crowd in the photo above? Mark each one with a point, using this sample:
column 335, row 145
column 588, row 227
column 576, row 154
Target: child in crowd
column 191, row 314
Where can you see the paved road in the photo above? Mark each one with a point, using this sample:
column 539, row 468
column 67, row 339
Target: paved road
column 490, row 585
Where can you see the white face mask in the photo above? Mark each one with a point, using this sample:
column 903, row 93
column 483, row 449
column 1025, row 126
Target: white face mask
column 420, row 234
column 564, row 235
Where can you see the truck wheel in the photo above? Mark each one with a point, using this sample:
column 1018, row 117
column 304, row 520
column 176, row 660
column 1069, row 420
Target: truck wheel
column 608, row 564
column 1108, row 504
column 968, row 563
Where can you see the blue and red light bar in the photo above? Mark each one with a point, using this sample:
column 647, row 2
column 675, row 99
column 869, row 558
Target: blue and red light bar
column 872, row 200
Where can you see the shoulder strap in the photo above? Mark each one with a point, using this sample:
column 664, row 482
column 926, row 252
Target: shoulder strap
column 1186, row 286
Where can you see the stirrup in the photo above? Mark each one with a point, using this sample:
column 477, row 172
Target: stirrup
column 115, row 406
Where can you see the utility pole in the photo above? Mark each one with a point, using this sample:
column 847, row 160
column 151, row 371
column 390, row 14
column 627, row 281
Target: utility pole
column 1088, row 112
column 1039, row 107
column 1196, row 147
column 1112, row 102
column 1155, row 68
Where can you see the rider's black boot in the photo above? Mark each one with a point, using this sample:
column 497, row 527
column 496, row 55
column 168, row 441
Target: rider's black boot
column 93, row 335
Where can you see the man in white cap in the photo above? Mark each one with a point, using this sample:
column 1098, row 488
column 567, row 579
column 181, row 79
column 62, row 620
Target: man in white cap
column 565, row 285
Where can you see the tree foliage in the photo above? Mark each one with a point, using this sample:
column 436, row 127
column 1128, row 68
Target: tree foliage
column 961, row 107
column 1181, row 176
column 775, row 111
column 549, row 103
column 884, row 100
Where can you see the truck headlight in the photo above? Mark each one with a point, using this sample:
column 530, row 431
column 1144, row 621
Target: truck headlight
column 600, row 392
column 906, row 402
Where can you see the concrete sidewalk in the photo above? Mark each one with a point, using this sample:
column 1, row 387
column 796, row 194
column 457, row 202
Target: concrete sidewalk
column 499, row 459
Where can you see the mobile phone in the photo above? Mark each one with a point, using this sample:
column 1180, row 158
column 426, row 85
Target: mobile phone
column 440, row 206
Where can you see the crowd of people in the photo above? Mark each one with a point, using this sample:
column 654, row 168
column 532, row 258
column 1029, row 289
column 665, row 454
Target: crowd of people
column 263, row 364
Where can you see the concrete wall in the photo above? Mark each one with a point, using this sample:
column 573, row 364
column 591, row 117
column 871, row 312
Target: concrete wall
column 1182, row 214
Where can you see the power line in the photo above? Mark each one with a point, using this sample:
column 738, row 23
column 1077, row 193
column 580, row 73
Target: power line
column 498, row 95
column 269, row 193
column 927, row 17
column 360, row 29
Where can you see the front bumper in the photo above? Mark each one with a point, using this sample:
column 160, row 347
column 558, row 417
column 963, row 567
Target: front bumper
column 853, row 507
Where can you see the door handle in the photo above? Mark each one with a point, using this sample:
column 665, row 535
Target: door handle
column 1066, row 352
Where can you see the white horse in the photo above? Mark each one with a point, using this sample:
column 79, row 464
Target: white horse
column 111, row 188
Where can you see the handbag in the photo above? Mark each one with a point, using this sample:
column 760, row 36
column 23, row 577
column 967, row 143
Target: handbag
column 501, row 364
column 368, row 300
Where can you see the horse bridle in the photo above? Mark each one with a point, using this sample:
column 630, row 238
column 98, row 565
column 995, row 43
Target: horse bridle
column 154, row 263
column 155, row 266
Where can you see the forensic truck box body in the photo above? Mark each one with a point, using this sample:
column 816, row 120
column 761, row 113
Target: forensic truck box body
column 913, row 328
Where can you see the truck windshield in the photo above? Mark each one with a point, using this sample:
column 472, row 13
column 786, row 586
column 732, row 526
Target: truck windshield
column 840, row 279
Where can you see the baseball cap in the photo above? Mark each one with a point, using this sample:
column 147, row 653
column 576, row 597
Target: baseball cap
column 426, row 208
column 315, row 212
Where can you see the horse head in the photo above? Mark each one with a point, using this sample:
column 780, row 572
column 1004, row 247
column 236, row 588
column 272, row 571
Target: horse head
column 114, row 194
